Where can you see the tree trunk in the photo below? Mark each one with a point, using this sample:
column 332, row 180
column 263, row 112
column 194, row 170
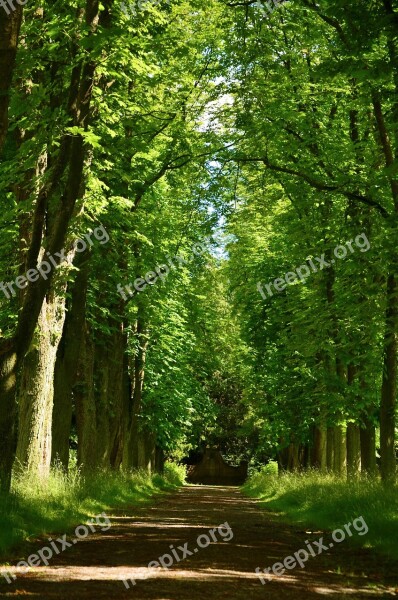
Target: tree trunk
column 390, row 347
column 340, row 451
column 132, row 450
column 125, row 451
column 36, row 390
column 120, row 437
column 352, row 434
column 283, row 458
column 10, row 25
column 389, row 386
column 293, row 458
column 306, row 459
column 318, row 454
column 110, row 365
column 103, row 409
column 86, row 414
column 330, row 449
column 146, row 451
column 159, row 460
column 119, row 390
column 367, row 431
column 151, row 451
column 353, row 451
column 8, row 413
column 140, row 459
column 368, row 449
column 67, row 363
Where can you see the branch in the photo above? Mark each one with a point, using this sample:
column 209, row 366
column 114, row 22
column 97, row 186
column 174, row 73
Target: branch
column 319, row 185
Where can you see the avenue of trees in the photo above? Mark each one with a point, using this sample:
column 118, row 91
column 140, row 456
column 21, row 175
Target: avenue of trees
column 269, row 141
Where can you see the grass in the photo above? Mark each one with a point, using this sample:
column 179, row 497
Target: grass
column 323, row 501
column 36, row 508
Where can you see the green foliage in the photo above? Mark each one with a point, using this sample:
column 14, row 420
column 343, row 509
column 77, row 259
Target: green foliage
column 37, row 508
column 323, row 501
column 207, row 120
column 175, row 474
column 257, row 473
column 308, row 175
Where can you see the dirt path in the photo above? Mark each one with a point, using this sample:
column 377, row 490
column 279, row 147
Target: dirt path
column 95, row 567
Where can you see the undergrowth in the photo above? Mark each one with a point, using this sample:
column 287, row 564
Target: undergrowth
column 325, row 501
column 41, row 507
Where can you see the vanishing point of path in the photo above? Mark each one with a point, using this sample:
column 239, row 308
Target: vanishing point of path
column 95, row 567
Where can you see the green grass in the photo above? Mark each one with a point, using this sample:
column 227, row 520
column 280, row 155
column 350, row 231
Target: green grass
column 36, row 508
column 323, row 501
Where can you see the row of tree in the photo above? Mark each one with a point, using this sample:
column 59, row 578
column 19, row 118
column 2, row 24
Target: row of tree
column 160, row 127
column 103, row 128
column 315, row 125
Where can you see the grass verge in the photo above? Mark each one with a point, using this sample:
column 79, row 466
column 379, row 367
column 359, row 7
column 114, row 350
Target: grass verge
column 323, row 501
column 37, row 508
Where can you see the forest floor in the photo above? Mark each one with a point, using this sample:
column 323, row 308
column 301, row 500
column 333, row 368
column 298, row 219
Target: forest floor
column 95, row 567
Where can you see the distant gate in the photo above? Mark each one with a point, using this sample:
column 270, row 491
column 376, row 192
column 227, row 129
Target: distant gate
column 213, row 470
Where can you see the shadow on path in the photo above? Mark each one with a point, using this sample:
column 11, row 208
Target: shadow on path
column 96, row 567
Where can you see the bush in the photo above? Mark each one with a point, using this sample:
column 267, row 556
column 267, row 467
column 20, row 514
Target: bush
column 175, row 474
column 271, row 468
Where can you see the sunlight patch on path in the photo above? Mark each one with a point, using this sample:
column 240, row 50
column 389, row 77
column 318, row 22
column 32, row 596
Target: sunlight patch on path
column 140, row 574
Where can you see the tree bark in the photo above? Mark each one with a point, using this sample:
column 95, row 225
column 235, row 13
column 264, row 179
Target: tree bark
column 368, row 449
column 36, row 390
column 330, row 449
column 10, row 25
column 159, row 460
column 8, row 412
column 120, row 438
column 146, row 451
column 119, row 390
column 102, row 401
column 131, row 455
column 353, row 435
column 283, row 458
column 86, row 410
column 340, row 451
column 353, row 451
column 389, row 386
column 67, row 363
column 110, row 365
column 318, row 453
column 293, row 458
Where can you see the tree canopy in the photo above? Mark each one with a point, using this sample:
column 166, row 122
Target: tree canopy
column 213, row 187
